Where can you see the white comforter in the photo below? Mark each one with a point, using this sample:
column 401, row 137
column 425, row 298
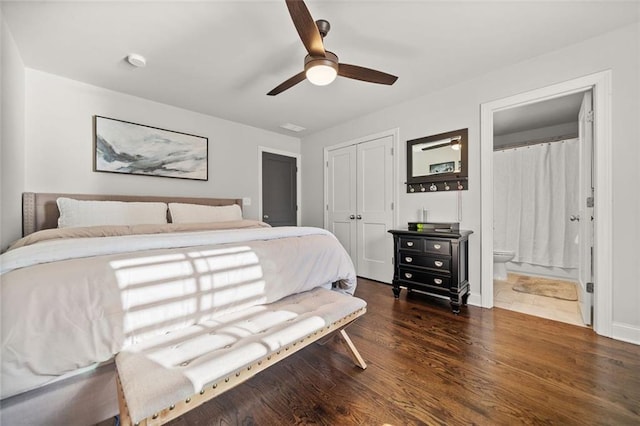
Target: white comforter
column 69, row 304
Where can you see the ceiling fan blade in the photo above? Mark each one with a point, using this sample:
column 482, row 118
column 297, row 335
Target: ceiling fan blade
column 365, row 74
column 306, row 27
column 288, row 84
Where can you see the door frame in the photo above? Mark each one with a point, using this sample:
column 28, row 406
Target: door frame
column 298, row 157
column 585, row 213
column 395, row 135
column 600, row 84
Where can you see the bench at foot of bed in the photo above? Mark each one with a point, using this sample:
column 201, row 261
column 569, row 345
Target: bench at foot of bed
column 164, row 377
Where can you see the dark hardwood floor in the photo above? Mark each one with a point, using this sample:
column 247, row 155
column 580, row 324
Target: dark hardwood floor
column 428, row 366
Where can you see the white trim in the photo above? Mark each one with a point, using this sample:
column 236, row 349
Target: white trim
column 626, row 332
column 395, row 135
column 600, row 83
column 298, row 158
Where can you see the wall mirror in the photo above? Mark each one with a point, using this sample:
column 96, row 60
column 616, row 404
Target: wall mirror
column 438, row 162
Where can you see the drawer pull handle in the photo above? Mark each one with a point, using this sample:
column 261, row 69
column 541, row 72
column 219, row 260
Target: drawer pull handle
column 409, row 243
column 438, row 263
column 408, row 275
column 437, row 281
column 408, row 259
column 437, row 246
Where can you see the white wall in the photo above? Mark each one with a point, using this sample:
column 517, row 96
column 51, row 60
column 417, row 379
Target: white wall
column 459, row 106
column 12, row 119
column 59, row 143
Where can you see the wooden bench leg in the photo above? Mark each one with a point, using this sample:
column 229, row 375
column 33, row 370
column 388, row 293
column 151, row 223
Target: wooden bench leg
column 125, row 420
column 352, row 350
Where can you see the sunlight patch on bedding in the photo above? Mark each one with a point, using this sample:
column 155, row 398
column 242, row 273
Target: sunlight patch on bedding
column 254, row 292
column 153, row 272
column 184, row 289
column 163, row 312
column 230, row 278
column 159, row 292
column 222, row 259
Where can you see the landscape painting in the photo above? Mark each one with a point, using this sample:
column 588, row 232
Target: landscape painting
column 124, row 147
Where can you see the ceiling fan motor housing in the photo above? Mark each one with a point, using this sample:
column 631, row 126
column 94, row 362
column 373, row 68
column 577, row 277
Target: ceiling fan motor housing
column 323, row 27
column 331, row 60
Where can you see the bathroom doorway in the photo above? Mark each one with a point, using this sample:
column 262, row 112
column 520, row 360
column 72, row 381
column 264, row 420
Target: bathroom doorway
column 538, row 237
column 600, row 86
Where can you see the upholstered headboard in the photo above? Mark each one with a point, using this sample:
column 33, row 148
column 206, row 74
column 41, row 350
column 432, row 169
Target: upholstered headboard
column 40, row 211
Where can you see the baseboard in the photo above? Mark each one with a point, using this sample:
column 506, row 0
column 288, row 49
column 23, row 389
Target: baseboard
column 567, row 274
column 626, row 332
column 475, row 299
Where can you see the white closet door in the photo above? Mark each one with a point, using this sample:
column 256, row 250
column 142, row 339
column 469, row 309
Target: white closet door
column 359, row 204
column 374, row 215
column 341, row 206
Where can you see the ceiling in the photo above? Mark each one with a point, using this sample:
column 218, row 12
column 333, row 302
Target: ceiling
column 222, row 57
column 555, row 111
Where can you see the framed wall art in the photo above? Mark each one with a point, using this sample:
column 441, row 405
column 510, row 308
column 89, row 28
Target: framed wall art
column 445, row 167
column 125, row 147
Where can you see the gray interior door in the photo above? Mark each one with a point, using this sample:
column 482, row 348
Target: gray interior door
column 279, row 192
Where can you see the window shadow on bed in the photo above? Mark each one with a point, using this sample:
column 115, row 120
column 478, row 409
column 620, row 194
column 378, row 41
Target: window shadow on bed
column 164, row 291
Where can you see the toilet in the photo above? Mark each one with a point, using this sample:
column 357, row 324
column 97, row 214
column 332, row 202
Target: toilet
column 500, row 259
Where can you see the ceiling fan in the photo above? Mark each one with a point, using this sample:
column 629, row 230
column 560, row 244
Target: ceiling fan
column 321, row 66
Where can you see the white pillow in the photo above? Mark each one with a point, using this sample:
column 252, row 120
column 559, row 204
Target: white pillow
column 197, row 213
column 74, row 213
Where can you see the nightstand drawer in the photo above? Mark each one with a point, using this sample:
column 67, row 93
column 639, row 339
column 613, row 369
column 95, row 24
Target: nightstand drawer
column 408, row 243
column 437, row 246
column 442, row 264
column 424, row 278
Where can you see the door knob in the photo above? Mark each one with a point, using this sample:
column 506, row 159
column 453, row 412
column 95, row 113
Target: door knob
column 574, row 217
column 359, row 217
column 266, row 216
column 352, row 216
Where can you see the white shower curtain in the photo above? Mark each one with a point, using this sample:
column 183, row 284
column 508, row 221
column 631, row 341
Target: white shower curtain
column 535, row 192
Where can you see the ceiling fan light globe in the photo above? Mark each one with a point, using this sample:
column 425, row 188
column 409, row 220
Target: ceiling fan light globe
column 321, row 70
column 321, row 75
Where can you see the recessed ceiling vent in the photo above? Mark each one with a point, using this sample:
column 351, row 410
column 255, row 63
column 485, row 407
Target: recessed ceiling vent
column 292, row 127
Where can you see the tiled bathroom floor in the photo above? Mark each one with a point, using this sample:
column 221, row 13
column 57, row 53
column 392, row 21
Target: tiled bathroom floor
column 546, row 307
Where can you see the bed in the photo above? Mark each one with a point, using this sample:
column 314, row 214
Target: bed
column 73, row 297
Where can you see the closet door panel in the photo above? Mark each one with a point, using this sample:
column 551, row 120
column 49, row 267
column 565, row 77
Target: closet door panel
column 374, row 205
column 342, row 197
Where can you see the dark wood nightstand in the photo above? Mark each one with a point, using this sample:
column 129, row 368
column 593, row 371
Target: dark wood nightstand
column 433, row 262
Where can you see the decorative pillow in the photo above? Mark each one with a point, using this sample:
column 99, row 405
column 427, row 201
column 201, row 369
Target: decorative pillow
column 74, row 213
column 197, row 213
